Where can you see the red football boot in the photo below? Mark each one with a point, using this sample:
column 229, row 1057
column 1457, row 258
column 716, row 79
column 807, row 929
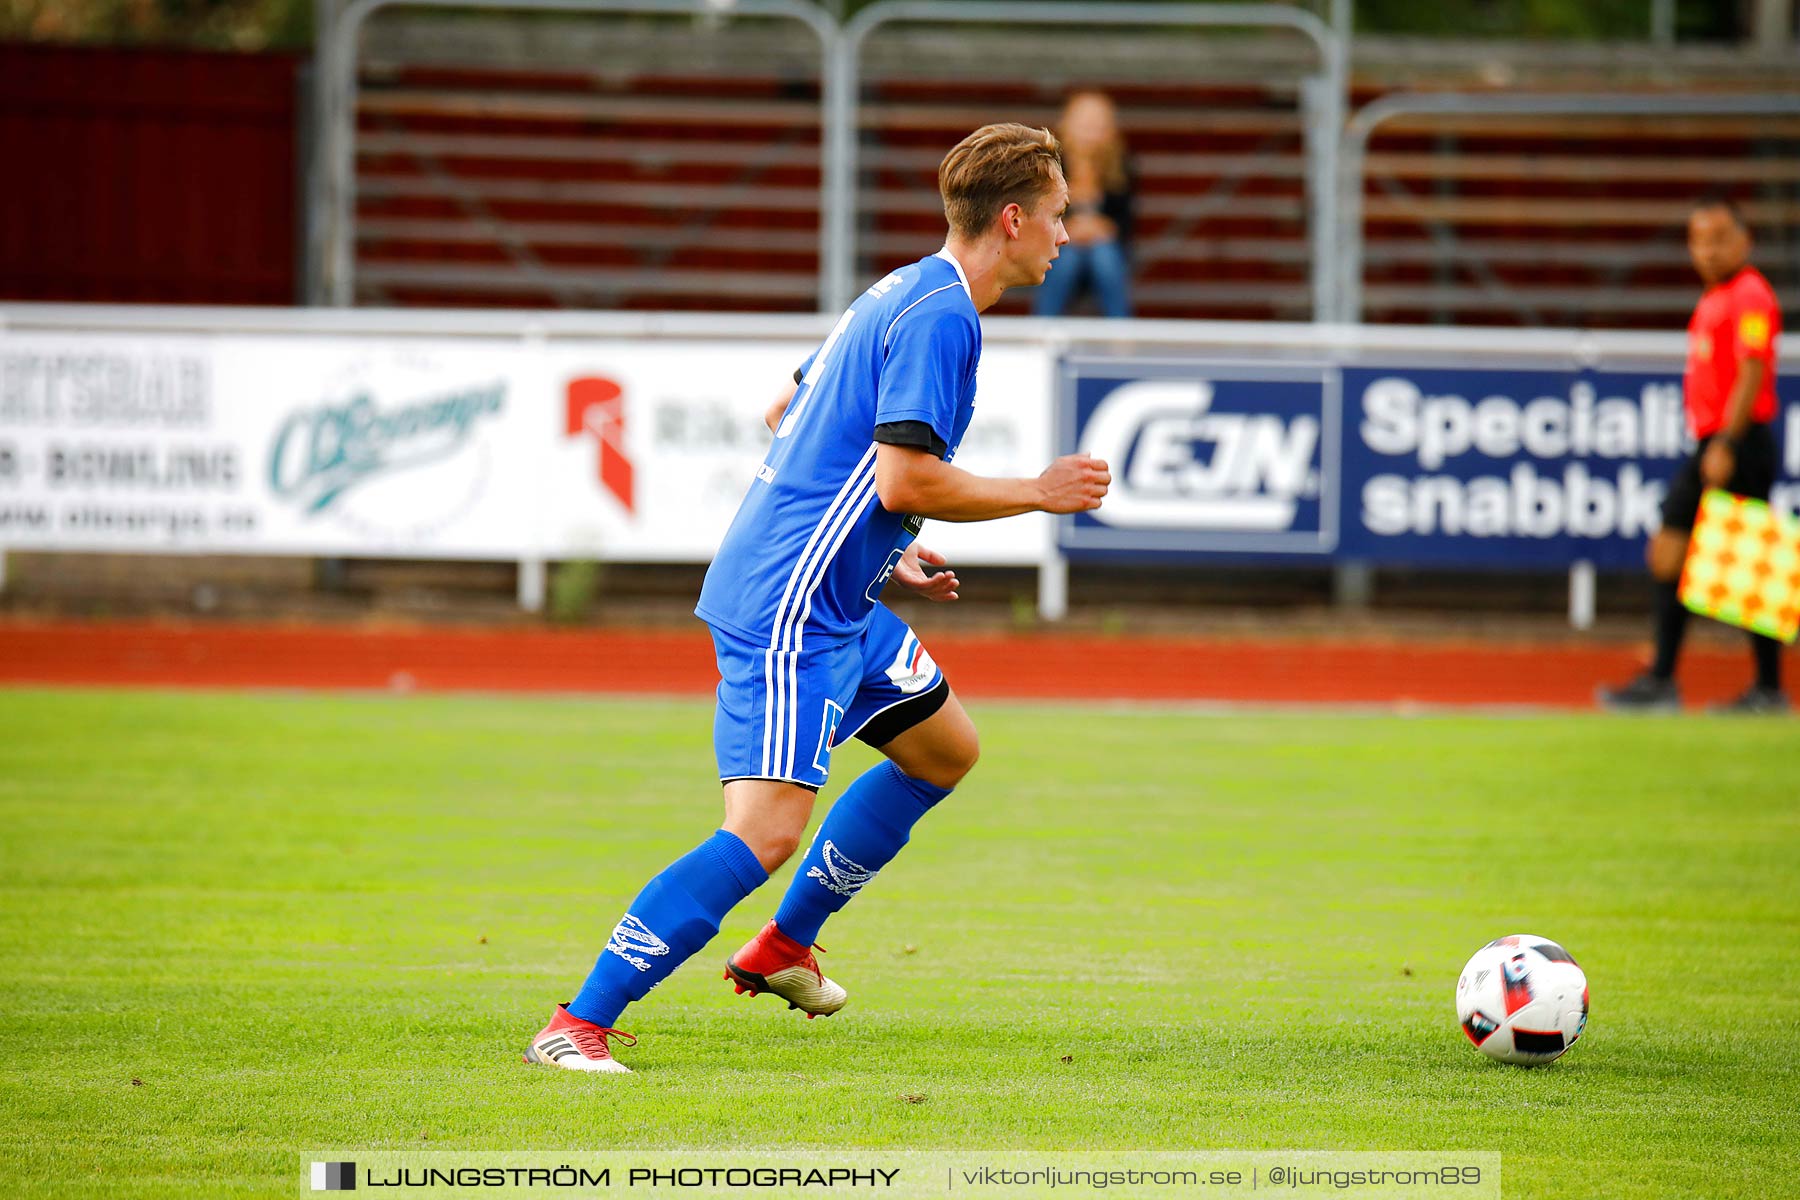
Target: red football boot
column 577, row 1045
column 774, row 962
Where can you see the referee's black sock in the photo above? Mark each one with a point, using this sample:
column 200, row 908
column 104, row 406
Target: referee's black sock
column 1768, row 661
column 1671, row 623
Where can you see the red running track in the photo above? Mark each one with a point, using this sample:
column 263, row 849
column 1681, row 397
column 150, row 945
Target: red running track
column 1047, row 666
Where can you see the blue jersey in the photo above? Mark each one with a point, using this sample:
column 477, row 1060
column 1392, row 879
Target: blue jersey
column 811, row 545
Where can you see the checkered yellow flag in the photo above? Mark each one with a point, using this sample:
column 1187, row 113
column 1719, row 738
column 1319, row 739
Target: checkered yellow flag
column 1743, row 566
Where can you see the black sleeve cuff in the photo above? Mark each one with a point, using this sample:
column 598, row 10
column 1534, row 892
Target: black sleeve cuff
column 912, row 433
column 799, row 376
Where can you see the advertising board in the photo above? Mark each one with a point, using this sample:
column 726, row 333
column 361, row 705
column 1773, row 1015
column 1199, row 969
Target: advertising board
column 430, row 447
column 1392, row 464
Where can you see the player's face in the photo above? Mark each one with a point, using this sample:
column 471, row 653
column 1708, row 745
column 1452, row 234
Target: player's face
column 1041, row 234
column 1717, row 244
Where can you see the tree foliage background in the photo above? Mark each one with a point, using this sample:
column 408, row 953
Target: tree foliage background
column 288, row 24
column 208, row 24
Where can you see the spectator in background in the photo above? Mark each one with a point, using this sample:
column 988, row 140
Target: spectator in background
column 1731, row 405
column 1099, row 217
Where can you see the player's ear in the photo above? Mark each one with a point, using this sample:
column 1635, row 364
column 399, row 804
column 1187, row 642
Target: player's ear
column 1012, row 219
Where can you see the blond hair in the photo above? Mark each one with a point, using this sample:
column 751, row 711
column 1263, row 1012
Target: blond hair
column 995, row 166
column 1108, row 158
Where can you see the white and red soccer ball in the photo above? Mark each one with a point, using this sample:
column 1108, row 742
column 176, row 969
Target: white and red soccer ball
column 1522, row 1000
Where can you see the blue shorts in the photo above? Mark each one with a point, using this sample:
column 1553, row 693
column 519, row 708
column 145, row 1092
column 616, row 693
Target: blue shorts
column 781, row 713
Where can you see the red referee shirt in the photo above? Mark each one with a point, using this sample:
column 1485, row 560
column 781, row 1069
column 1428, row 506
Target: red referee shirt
column 1734, row 320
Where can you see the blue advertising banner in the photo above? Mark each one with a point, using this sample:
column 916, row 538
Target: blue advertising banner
column 1206, row 459
column 1528, row 468
column 1397, row 465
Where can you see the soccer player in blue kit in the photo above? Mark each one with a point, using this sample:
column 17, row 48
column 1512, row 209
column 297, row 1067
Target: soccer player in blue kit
column 808, row 656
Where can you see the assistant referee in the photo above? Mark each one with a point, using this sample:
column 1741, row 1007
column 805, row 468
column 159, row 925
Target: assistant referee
column 1729, row 391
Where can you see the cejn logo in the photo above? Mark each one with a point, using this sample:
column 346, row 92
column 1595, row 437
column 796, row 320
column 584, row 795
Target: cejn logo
column 1232, row 461
column 1181, row 465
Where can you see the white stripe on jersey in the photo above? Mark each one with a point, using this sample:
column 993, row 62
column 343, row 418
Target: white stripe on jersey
column 774, row 708
column 922, row 299
column 944, row 253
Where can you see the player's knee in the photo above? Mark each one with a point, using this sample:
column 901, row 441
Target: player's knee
column 773, row 847
column 773, row 842
column 971, row 754
column 954, row 759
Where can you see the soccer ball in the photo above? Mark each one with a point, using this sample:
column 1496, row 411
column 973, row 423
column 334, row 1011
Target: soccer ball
column 1522, row 1000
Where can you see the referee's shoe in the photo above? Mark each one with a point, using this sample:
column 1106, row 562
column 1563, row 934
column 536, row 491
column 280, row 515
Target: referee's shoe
column 1756, row 701
column 1645, row 694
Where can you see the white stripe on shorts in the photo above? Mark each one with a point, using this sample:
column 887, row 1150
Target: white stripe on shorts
column 775, row 695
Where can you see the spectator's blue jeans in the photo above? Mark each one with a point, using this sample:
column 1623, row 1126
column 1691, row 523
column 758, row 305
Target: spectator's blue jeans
column 1101, row 265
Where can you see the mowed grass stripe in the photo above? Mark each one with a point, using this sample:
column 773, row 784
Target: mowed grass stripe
column 1243, row 932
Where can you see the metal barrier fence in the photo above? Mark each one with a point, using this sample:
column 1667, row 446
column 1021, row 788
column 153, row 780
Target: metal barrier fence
column 1476, row 110
column 1321, row 95
column 332, row 216
column 331, row 235
column 1337, row 254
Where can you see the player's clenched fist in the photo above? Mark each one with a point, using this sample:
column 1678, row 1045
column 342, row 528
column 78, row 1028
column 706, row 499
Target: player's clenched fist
column 1073, row 483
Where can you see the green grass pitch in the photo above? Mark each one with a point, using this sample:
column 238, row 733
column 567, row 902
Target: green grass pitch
column 306, row 921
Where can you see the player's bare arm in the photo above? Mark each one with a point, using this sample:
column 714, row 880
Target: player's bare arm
column 916, row 481
column 772, row 416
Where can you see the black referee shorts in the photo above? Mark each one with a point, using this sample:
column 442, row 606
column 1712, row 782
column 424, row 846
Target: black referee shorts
column 1753, row 475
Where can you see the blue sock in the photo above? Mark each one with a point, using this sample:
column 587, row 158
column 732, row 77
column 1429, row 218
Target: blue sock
column 676, row 914
column 862, row 833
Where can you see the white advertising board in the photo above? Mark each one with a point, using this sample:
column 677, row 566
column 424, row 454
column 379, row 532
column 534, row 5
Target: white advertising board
column 430, row 446
column 657, row 445
column 266, row 445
